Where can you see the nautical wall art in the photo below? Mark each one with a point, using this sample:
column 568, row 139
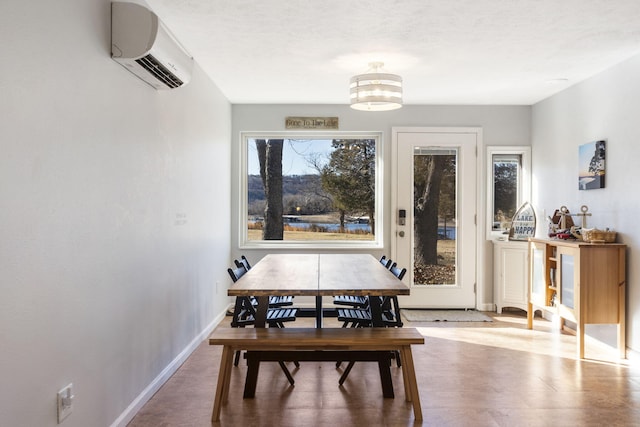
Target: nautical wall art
column 591, row 165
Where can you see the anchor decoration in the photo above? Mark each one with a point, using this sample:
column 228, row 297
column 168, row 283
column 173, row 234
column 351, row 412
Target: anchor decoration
column 561, row 225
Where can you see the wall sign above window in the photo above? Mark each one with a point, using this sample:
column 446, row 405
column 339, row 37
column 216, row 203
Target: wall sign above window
column 311, row 122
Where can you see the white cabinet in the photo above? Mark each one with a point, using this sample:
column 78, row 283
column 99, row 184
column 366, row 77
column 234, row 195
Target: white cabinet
column 510, row 274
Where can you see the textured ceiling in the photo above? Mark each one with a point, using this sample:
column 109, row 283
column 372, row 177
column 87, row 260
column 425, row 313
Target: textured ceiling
column 447, row 51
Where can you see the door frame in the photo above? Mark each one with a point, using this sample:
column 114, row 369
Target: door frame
column 480, row 259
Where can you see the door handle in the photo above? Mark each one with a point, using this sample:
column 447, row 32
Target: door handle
column 401, row 233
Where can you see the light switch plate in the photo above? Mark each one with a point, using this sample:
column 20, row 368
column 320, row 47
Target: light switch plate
column 65, row 402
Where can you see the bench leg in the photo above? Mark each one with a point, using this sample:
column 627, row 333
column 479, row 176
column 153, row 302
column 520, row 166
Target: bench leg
column 405, row 378
column 409, row 372
column 227, row 379
column 222, row 388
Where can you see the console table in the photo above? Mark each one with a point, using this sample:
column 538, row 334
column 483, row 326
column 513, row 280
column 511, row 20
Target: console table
column 580, row 282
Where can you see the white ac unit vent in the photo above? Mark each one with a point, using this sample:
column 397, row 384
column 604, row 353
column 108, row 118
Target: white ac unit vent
column 145, row 46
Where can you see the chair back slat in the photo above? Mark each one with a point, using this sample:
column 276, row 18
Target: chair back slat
column 386, row 261
column 243, row 262
column 397, row 271
column 236, row 273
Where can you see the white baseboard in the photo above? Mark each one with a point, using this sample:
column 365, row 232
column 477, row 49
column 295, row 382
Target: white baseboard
column 487, row 307
column 166, row 373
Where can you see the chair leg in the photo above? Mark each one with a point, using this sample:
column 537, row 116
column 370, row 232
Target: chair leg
column 236, row 360
column 345, row 374
column 286, row 372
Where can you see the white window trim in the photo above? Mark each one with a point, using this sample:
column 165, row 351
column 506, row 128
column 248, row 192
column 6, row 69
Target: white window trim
column 524, row 192
column 244, row 243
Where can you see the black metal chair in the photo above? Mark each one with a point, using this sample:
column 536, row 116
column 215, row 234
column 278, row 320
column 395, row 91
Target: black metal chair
column 274, row 301
column 390, row 316
column 359, row 301
column 386, row 261
column 243, row 261
column 244, row 314
column 356, row 317
column 390, row 306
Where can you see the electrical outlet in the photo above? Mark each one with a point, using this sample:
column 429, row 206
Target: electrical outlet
column 65, row 402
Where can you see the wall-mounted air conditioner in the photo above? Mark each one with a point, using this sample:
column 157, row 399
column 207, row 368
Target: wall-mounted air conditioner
column 144, row 46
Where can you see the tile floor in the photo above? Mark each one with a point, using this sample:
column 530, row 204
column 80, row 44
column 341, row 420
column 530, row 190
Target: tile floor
column 469, row 374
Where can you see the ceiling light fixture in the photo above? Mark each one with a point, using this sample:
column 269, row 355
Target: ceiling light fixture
column 376, row 90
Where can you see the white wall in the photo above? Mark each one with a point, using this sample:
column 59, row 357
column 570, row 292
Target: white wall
column 501, row 125
column 603, row 107
column 113, row 221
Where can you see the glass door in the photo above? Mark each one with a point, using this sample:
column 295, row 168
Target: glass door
column 436, row 233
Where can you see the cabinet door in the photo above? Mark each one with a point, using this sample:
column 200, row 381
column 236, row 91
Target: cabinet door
column 567, row 274
column 538, row 276
column 514, row 273
column 510, row 274
column 568, row 259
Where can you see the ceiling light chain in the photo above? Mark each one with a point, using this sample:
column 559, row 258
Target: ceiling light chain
column 376, row 90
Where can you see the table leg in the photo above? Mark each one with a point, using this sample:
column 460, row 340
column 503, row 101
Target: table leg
column 261, row 311
column 622, row 343
column 376, row 311
column 253, row 366
column 384, row 363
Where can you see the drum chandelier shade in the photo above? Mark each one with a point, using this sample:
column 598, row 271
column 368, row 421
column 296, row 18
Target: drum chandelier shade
column 376, row 90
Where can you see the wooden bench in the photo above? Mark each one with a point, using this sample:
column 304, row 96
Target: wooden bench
column 316, row 344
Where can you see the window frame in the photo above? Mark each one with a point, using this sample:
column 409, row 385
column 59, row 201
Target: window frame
column 244, row 243
column 524, row 190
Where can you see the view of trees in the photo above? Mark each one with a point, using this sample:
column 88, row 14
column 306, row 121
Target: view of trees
column 505, row 189
column 434, row 211
column 345, row 183
column 349, row 177
column 435, row 200
column 301, row 195
column 270, row 157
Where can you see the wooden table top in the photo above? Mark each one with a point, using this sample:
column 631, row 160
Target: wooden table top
column 318, row 275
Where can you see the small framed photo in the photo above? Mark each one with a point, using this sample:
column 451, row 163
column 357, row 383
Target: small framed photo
column 591, row 165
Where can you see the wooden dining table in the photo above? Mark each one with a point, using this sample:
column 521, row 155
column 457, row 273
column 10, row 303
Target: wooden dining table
column 318, row 275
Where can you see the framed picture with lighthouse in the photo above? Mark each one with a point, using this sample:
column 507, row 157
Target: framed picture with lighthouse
column 591, row 165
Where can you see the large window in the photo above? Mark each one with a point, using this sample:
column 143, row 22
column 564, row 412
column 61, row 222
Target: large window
column 314, row 189
column 508, row 186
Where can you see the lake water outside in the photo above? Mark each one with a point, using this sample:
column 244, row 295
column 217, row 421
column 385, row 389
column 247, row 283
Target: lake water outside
column 446, row 233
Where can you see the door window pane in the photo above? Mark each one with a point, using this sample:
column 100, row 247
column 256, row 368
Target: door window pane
column 435, row 216
column 506, row 184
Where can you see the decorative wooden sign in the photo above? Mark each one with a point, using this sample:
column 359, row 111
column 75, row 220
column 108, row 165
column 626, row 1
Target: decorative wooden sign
column 311, row 122
column 523, row 224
